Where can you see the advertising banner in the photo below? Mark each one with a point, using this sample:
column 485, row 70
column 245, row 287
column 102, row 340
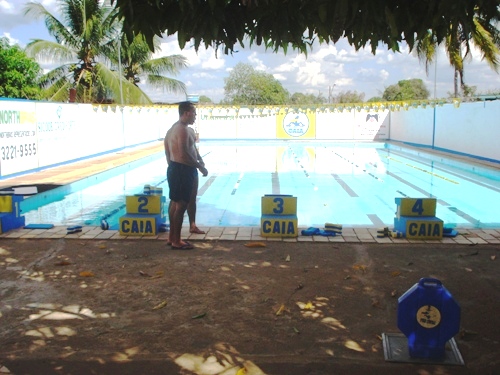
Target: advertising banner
column 296, row 124
column 18, row 139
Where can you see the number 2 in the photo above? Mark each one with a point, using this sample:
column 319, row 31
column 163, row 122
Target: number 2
column 142, row 206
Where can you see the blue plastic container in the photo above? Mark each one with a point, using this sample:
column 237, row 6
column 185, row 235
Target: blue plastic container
column 429, row 317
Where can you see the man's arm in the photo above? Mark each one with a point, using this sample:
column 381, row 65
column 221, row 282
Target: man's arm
column 167, row 150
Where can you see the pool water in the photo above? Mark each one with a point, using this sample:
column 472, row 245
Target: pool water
column 354, row 184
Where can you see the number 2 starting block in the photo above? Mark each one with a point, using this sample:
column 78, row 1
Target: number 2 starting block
column 145, row 215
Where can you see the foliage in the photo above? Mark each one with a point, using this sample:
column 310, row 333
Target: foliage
column 300, row 98
column 375, row 99
column 349, row 97
column 88, row 45
column 278, row 24
column 468, row 92
column 485, row 36
column 204, row 100
column 250, row 87
column 18, row 73
column 136, row 62
column 411, row 89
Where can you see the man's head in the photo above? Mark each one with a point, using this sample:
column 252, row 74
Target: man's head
column 187, row 112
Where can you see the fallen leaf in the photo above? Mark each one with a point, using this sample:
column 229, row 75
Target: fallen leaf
column 493, row 257
column 199, row 316
column 353, row 345
column 309, row 306
column 102, row 246
column 347, row 277
column 287, row 258
column 468, row 269
column 86, row 274
column 161, row 305
column 394, row 293
column 241, row 371
column 296, row 330
column 62, row 263
column 359, row 267
column 255, row 244
column 157, row 275
column 395, row 273
column 280, row 310
column 144, row 274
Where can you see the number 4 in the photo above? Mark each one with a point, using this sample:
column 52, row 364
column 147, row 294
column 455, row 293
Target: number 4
column 418, row 207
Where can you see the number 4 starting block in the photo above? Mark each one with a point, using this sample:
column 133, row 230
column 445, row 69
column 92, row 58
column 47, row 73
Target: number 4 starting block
column 415, row 219
column 279, row 216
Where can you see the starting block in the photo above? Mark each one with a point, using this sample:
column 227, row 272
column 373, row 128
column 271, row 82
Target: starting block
column 415, row 219
column 145, row 215
column 279, row 216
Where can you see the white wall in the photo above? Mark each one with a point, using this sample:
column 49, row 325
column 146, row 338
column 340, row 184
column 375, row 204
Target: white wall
column 471, row 129
column 39, row 134
column 412, row 125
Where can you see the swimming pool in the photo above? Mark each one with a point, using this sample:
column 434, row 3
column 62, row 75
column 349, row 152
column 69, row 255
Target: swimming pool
column 354, row 184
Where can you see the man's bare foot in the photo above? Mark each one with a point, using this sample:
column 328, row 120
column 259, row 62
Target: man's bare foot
column 196, row 230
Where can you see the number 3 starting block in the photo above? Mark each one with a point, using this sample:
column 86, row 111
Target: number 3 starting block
column 279, row 216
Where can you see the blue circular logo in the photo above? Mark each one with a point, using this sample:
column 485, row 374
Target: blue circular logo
column 295, row 124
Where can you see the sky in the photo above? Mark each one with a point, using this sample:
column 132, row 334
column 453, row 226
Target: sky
column 336, row 67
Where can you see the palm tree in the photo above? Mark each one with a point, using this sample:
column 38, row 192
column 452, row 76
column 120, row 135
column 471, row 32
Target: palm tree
column 136, row 63
column 484, row 35
column 90, row 36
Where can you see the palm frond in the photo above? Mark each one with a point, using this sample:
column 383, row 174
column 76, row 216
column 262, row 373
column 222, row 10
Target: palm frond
column 485, row 38
column 50, row 78
column 166, row 84
column 426, row 50
column 58, row 91
column 165, row 65
column 131, row 93
column 55, row 28
column 48, row 51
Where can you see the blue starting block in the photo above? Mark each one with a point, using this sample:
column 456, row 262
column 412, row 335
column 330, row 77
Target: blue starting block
column 429, row 317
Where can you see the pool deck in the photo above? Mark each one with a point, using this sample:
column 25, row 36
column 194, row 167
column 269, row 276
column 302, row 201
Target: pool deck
column 72, row 172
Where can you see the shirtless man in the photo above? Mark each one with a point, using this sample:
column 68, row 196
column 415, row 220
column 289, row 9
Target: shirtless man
column 184, row 162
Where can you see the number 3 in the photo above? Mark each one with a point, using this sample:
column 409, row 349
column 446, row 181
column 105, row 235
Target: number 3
column 279, row 205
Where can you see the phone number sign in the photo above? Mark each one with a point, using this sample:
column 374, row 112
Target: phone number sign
column 18, row 138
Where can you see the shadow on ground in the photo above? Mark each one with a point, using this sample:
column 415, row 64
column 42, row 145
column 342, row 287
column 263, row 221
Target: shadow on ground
column 138, row 307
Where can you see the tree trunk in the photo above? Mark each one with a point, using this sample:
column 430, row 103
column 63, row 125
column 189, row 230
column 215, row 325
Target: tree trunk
column 456, row 83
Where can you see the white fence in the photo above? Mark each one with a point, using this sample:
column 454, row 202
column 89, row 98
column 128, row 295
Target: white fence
column 36, row 135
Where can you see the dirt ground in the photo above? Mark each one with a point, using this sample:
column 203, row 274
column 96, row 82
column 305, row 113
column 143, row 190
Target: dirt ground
column 138, row 307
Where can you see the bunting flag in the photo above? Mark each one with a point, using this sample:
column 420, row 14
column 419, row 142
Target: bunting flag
column 244, row 111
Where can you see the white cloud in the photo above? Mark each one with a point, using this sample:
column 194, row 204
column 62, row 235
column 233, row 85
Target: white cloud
column 7, row 6
column 256, row 62
column 11, row 40
column 310, row 74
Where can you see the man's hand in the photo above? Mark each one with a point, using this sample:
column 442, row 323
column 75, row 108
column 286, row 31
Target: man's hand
column 204, row 171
